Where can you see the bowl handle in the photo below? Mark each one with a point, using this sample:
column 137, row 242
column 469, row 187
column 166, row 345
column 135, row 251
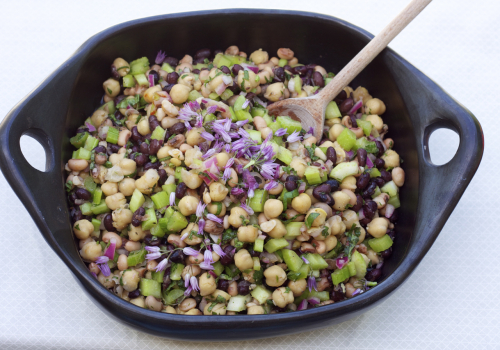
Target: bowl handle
column 40, row 192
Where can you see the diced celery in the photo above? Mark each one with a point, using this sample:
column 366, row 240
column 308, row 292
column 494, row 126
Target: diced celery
column 169, row 212
column 332, row 111
column 100, row 208
column 82, row 153
column 347, row 139
column 340, row 275
column 91, row 143
column 200, row 66
column 231, row 270
column 376, row 193
column 269, row 119
column 298, row 83
column 315, row 273
column 261, row 294
column 258, row 245
column 97, row 195
column 112, row 136
column 169, row 188
column 158, row 133
column 258, row 200
column 160, row 199
column 157, row 231
column 176, row 271
column 276, row 148
column 214, row 96
column 242, row 114
column 128, row 81
column 141, row 79
column 274, row 126
column 236, row 303
column 226, row 94
column 289, row 124
column 110, row 107
column 369, row 146
column 174, row 296
column 96, row 223
column 238, row 104
column 255, row 135
column 256, row 263
column 136, row 201
column 293, row 230
column 390, row 188
column 233, row 115
column 85, row 208
column 167, row 67
column 158, row 276
column 275, row 244
column 316, row 262
column 366, row 126
column 136, row 257
column 177, row 222
column 312, row 175
column 140, row 65
column 285, row 155
column 344, row 170
column 218, row 268
column 178, row 172
column 79, row 139
column 394, row 201
column 374, row 172
column 282, row 62
column 193, row 95
column 292, row 260
column 221, row 60
column 300, row 274
column 89, row 184
column 352, row 268
column 258, row 112
column 380, row 244
column 323, row 296
column 150, row 287
column 150, row 221
column 360, row 264
column 209, row 117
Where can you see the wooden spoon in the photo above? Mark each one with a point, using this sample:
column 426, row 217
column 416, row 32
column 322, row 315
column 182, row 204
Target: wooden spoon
column 311, row 110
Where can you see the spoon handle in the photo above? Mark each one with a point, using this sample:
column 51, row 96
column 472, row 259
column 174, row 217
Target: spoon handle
column 371, row 50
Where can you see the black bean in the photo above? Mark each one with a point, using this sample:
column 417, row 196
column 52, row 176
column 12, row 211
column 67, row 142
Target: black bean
column 177, row 128
column 172, row 78
column 234, row 88
column 141, row 159
column 279, row 75
column 166, row 276
column 301, row 70
column 373, row 275
column 154, row 147
column 216, row 52
column 144, row 148
column 318, row 80
column 108, row 223
column 326, row 198
column 379, row 181
column 113, row 148
column 136, row 136
column 243, row 287
column 82, row 130
column 196, row 71
column 114, row 72
column 198, row 60
column 384, row 174
column 177, row 256
column 156, row 76
column 153, row 122
column 305, row 81
column 331, row 155
column 168, row 87
column 152, row 240
column 225, row 70
column 236, row 69
column 392, row 234
column 99, row 149
column 252, row 252
column 346, row 105
column 359, row 203
column 340, row 97
column 321, row 189
column 386, row 253
column 203, row 53
column 362, row 181
column 223, row 284
column 362, row 157
column 369, row 209
column 202, row 188
column 227, row 259
column 289, row 68
column 163, row 177
column 379, row 163
column 82, row 193
column 370, row 189
column 290, row 185
column 380, row 148
column 135, row 217
column 180, row 190
column 119, row 99
column 134, row 294
column 334, row 184
column 135, row 149
column 292, row 178
column 149, row 165
column 394, row 216
column 77, row 215
column 365, row 221
column 250, row 96
column 337, row 295
column 171, row 61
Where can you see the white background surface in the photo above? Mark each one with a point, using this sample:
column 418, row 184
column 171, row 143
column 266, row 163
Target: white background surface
column 450, row 302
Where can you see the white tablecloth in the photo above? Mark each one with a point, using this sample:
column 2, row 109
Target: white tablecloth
column 450, row 302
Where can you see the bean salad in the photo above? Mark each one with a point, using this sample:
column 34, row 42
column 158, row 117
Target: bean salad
column 187, row 197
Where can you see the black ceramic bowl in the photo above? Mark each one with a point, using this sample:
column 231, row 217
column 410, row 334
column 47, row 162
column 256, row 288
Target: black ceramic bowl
column 415, row 107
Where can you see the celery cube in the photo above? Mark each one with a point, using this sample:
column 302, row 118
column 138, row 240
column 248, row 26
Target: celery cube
column 275, row 244
column 136, row 201
column 158, row 133
column 258, row 200
column 292, row 260
column 160, row 199
column 255, row 135
column 332, row 111
column 289, row 124
column 347, row 139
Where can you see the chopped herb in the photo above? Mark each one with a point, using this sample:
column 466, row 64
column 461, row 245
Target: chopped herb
column 124, row 67
column 269, row 301
column 153, row 159
column 109, row 91
column 69, row 186
column 206, row 61
column 325, row 232
column 228, row 235
column 116, row 121
column 352, row 239
column 171, row 137
column 108, row 164
column 225, row 277
column 138, row 118
column 77, row 226
column 287, row 290
column 244, row 220
column 311, row 152
column 165, row 159
column 258, row 276
column 310, row 219
column 238, row 244
column 210, row 66
column 147, row 141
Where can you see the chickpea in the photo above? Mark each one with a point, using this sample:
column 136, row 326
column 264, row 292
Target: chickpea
column 91, row 251
column 192, row 270
column 83, row 229
column 170, row 112
column 273, row 208
column 309, row 141
column 197, row 259
column 373, row 257
column 376, row 121
column 391, row 159
column 293, row 62
column 233, row 178
column 267, row 226
column 279, row 229
column 330, row 242
column 77, row 164
column 361, row 93
column 349, row 290
column 301, row 203
column 352, row 196
column 282, row 297
column 116, row 158
column 106, row 237
column 255, row 310
column 398, row 176
column 195, row 312
column 243, row 260
column 147, row 181
column 121, row 66
column 139, row 301
column 378, row 227
column 221, row 293
column 207, row 284
column 337, row 226
column 218, row 309
column 169, row 310
column 218, row 191
column 152, row 303
column 276, row 190
column 381, row 200
column 187, row 205
column 121, row 218
column 341, row 199
column 107, row 282
column 265, row 133
column 299, row 165
column 111, row 87
column 179, row 93
column 275, row 92
column 115, row 201
column 349, row 183
column 232, row 50
column 128, row 166
column 126, row 186
column 320, row 219
column 247, row 234
column 191, row 179
column 250, row 83
column 285, row 53
column 143, row 127
column 193, row 137
column 375, row 106
column 349, row 218
column 259, row 56
column 136, row 234
column 232, row 289
column 187, row 304
column 122, row 262
column 123, row 137
column 335, row 131
column 298, row 287
column 275, row 276
column 130, row 279
column 149, row 94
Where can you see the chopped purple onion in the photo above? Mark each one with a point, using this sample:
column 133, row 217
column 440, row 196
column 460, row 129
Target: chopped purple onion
column 302, row 305
column 90, row 127
column 110, row 251
column 313, row 300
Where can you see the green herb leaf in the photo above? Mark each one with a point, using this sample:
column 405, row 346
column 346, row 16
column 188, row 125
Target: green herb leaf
column 109, row 90
column 352, row 239
column 310, row 219
column 69, row 186
column 124, row 67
